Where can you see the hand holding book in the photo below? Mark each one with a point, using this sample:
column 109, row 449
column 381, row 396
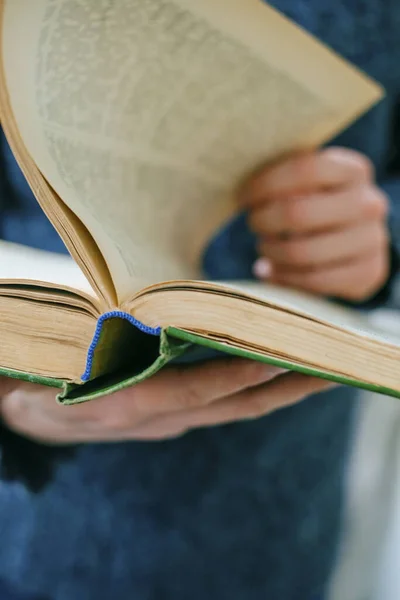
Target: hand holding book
column 334, row 194
column 170, row 404
column 322, row 224
column 135, row 155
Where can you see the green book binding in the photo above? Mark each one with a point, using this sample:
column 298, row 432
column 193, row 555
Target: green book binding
column 157, row 351
column 290, row 366
column 136, row 170
column 124, row 353
column 173, row 344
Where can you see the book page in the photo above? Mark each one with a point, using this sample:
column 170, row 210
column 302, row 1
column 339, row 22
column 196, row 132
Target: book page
column 319, row 309
column 20, row 263
column 368, row 324
column 144, row 115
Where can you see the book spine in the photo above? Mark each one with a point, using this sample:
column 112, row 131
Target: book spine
column 115, row 314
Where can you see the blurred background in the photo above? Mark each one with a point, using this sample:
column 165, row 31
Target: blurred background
column 369, row 562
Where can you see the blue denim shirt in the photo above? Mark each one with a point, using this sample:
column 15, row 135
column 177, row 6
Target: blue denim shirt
column 249, row 510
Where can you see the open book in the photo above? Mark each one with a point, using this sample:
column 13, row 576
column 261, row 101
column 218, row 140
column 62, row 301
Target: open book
column 134, row 122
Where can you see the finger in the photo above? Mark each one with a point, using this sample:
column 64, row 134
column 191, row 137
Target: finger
column 248, row 404
column 319, row 212
column 172, row 389
column 32, row 410
column 36, row 415
column 260, row 401
column 355, row 281
column 176, row 422
column 23, row 414
column 201, row 385
column 254, row 403
column 329, row 168
column 324, row 249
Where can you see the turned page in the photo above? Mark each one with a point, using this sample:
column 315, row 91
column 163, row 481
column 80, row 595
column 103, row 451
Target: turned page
column 144, row 115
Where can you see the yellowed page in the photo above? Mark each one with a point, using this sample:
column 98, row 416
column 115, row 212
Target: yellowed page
column 144, row 115
column 307, row 305
column 277, row 324
column 44, row 339
column 317, row 309
column 341, row 348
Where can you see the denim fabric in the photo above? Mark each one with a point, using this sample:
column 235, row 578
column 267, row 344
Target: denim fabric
column 8, row 594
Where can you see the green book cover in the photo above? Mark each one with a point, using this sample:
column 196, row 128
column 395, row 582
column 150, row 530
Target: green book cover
column 147, row 353
column 174, row 345
column 137, row 175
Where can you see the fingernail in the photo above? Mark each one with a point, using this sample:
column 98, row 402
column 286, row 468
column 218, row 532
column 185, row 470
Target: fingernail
column 262, row 268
